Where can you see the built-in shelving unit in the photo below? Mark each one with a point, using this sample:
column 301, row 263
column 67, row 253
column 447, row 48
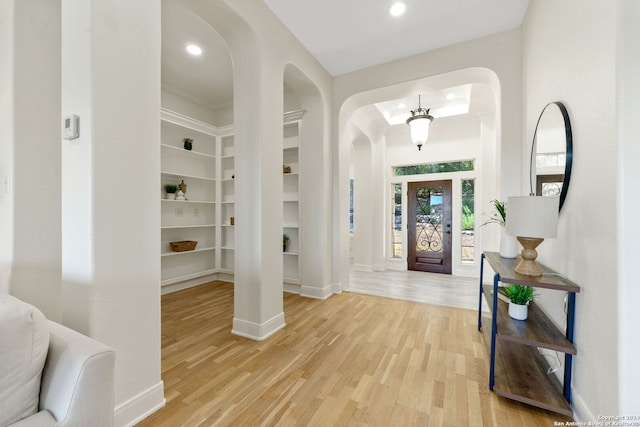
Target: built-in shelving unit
column 227, row 204
column 195, row 217
column 517, row 369
column 291, row 199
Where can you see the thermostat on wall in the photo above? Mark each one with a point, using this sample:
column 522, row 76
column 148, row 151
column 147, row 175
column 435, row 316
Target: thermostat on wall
column 70, row 127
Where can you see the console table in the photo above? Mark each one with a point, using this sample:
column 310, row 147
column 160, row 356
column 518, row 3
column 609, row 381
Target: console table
column 517, row 369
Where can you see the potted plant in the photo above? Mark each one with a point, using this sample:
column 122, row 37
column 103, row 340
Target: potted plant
column 519, row 298
column 508, row 244
column 499, row 216
column 285, row 242
column 188, row 143
column 171, row 191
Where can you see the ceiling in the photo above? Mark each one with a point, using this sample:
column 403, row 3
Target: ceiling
column 343, row 36
column 350, row 35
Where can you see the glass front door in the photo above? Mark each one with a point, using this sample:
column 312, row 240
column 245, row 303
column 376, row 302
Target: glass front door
column 429, row 222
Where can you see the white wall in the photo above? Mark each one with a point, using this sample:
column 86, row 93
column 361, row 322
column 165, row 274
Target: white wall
column 6, row 143
column 569, row 50
column 628, row 91
column 179, row 104
column 36, row 273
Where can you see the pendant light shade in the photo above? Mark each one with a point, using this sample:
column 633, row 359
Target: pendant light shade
column 419, row 123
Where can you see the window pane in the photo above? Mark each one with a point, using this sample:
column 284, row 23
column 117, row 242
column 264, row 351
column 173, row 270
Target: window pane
column 465, row 165
column 396, row 220
column 468, row 221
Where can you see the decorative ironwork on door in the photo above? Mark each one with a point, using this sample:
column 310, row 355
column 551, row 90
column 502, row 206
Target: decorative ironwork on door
column 429, row 219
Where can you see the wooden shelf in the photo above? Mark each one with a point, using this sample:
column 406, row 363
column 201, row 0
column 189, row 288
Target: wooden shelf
column 550, row 279
column 521, row 375
column 536, row 331
column 196, row 250
column 517, row 369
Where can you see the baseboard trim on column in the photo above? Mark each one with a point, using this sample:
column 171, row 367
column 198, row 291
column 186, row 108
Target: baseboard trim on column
column 140, row 406
column 258, row 331
column 317, row 292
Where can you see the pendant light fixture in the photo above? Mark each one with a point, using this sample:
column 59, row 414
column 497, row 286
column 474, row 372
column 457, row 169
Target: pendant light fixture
column 419, row 123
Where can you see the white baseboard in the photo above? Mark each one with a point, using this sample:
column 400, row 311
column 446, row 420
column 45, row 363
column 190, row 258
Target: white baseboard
column 175, row 287
column 256, row 331
column 337, row 288
column 379, row 267
column 581, row 411
column 140, row 406
column 317, row 292
column 362, row 267
column 291, row 288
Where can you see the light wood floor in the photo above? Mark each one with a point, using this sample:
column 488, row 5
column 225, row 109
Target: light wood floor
column 418, row 286
column 351, row 360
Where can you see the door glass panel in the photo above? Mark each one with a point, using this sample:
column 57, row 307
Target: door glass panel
column 396, row 220
column 429, row 219
column 467, row 238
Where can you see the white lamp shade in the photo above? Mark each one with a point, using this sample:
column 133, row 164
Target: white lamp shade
column 419, row 130
column 532, row 216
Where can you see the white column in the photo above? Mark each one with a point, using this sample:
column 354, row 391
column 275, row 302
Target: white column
column 363, row 204
column 258, row 307
column 110, row 187
column 378, row 206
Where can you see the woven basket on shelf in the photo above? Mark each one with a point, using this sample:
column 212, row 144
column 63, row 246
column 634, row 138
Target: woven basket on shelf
column 184, row 245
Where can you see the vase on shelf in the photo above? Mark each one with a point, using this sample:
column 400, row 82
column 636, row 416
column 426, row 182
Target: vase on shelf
column 508, row 245
column 171, row 196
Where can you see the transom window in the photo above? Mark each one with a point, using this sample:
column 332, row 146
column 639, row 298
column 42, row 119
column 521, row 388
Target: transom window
column 426, row 168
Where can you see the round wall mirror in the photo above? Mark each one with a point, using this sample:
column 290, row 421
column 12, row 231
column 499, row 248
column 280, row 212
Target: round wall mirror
column 552, row 153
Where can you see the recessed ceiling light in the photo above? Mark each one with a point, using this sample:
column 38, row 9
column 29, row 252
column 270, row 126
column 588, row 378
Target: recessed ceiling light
column 397, row 9
column 451, row 97
column 194, row 50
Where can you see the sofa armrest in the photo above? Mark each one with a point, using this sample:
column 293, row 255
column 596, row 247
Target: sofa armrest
column 40, row 419
column 77, row 382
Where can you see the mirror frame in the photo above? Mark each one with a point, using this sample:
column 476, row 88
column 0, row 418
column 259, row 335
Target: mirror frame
column 568, row 154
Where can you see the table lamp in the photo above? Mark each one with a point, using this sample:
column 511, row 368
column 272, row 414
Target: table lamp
column 531, row 219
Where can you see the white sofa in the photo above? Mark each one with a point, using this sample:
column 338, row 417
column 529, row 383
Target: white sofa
column 77, row 381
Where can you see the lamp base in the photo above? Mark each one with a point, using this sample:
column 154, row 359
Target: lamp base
column 528, row 265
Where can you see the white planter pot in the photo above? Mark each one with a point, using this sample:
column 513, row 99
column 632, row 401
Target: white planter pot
column 518, row 312
column 508, row 245
column 171, row 196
